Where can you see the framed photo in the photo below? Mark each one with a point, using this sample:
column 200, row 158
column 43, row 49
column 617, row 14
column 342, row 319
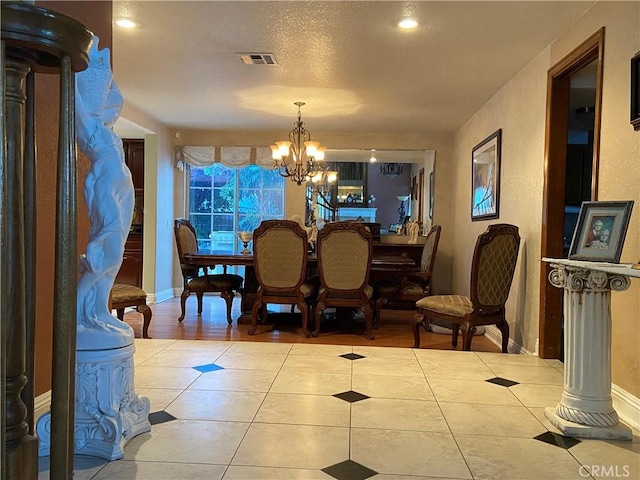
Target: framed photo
column 635, row 91
column 485, row 178
column 600, row 231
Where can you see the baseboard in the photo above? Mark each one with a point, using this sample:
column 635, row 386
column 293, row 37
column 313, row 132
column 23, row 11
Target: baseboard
column 41, row 405
column 161, row 296
column 626, row 404
column 494, row 335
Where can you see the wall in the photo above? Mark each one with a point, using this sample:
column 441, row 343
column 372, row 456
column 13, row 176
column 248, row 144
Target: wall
column 519, row 109
column 96, row 16
column 619, row 176
column 160, row 176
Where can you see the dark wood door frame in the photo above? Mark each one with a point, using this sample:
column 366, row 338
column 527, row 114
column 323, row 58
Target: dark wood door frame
column 558, row 84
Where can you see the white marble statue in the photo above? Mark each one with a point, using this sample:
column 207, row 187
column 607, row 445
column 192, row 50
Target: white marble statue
column 109, row 196
column 413, row 228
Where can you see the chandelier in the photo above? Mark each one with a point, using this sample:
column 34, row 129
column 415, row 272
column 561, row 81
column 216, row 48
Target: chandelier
column 391, row 170
column 298, row 158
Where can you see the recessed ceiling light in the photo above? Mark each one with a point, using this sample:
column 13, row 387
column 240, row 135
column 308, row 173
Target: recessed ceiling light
column 408, row 23
column 126, row 23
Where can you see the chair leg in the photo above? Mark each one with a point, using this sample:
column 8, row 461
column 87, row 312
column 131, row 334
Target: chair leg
column 200, row 295
column 319, row 310
column 146, row 315
column 257, row 306
column 455, row 329
column 504, row 329
column 368, row 313
column 120, row 314
column 183, row 304
column 304, row 311
column 379, row 304
column 416, row 321
column 228, row 297
column 468, row 331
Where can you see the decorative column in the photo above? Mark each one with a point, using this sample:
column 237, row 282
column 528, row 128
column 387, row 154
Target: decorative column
column 586, row 409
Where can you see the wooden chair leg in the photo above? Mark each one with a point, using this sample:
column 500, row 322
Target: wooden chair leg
column 468, row 331
column 379, row 304
column 416, row 321
column 257, row 306
column 455, row 329
column 200, row 295
column 304, row 310
column 316, row 318
column 368, row 313
column 183, row 304
column 504, row 329
column 228, row 297
column 146, row 316
column 120, row 314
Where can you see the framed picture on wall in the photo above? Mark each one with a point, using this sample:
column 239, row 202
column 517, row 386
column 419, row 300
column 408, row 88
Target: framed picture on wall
column 600, row 231
column 635, row 91
column 485, row 178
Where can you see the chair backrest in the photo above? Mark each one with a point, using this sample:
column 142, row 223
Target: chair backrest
column 280, row 254
column 187, row 242
column 493, row 266
column 430, row 248
column 344, row 255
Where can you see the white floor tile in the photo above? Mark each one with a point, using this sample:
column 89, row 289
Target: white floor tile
column 301, row 381
column 216, row 405
column 393, row 414
column 387, row 386
column 304, row 410
column 269, row 473
column 235, row 380
column 472, row 391
column 128, row 470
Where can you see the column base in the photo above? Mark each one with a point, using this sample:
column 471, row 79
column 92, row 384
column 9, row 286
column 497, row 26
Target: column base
column 577, row 430
column 108, row 412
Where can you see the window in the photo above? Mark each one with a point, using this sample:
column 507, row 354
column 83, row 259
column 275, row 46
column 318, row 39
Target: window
column 224, row 200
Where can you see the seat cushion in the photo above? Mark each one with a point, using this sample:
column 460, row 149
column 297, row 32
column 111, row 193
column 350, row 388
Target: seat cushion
column 387, row 288
column 457, row 305
column 223, row 281
column 121, row 293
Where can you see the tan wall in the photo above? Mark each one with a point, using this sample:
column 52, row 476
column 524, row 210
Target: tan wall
column 96, row 16
column 519, row 109
column 619, row 177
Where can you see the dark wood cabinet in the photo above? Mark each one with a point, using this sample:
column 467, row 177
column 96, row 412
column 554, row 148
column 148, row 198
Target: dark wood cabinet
column 131, row 270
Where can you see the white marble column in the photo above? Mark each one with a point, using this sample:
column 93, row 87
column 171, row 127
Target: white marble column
column 586, row 408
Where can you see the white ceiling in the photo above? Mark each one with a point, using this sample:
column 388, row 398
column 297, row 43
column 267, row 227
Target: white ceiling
column 356, row 71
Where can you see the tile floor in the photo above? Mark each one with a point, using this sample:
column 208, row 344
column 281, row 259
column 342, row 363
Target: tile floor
column 248, row 410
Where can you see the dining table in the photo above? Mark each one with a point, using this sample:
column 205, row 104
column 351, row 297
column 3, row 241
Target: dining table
column 380, row 263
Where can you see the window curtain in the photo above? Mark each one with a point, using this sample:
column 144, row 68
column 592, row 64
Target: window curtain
column 234, row 157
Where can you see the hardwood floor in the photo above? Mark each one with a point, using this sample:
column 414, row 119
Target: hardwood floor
column 394, row 330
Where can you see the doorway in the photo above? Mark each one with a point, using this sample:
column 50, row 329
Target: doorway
column 574, row 97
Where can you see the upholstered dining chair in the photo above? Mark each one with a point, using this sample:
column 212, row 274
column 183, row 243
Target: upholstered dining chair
column 280, row 263
column 344, row 252
column 405, row 291
column 492, row 269
column 199, row 282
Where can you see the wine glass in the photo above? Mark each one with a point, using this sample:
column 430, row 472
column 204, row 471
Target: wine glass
column 245, row 237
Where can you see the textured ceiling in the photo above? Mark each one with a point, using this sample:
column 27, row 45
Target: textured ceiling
column 357, row 72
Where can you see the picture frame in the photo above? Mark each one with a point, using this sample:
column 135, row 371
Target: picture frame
column 635, row 91
column 600, row 231
column 485, row 178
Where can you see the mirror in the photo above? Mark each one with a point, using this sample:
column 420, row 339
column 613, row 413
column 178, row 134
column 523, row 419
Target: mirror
column 398, row 183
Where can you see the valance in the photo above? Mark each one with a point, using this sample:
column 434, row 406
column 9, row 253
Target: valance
column 234, row 157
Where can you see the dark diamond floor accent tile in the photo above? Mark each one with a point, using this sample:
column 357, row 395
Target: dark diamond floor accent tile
column 351, row 396
column 349, row 470
column 352, row 356
column 502, row 381
column 558, row 440
column 160, row 417
column 211, row 367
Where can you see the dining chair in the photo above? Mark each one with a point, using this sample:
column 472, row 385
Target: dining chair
column 405, row 291
column 280, row 263
column 196, row 281
column 492, row 269
column 344, row 264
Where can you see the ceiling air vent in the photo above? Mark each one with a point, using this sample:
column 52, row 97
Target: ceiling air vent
column 258, row 59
